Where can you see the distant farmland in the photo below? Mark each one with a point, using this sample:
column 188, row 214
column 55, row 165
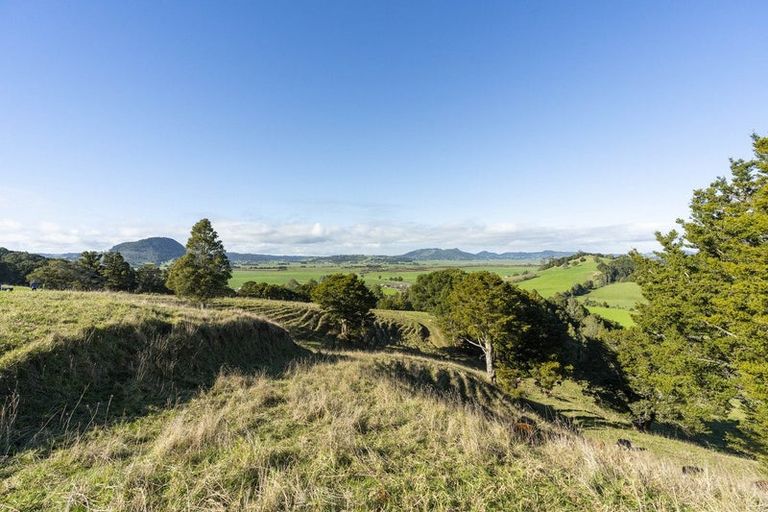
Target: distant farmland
column 526, row 275
column 391, row 274
column 559, row 279
column 616, row 302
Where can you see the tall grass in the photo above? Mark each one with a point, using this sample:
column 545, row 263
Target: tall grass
column 342, row 431
column 351, row 433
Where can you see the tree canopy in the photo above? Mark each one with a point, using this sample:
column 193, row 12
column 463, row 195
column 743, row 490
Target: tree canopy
column 204, row 270
column 346, row 299
column 117, row 273
column 430, row 291
column 271, row 291
column 702, row 337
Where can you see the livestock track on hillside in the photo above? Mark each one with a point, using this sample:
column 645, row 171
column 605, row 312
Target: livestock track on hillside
column 307, row 322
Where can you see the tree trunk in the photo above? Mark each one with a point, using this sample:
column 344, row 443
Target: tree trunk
column 489, row 369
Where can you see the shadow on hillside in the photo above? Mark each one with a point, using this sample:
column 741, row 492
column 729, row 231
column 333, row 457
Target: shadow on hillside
column 455, row 385
column 716, row 437
column 597, row 366
column 110, row 374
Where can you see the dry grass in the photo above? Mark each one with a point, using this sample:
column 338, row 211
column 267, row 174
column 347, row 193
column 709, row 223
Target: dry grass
column 345, row 431
column 365, row 431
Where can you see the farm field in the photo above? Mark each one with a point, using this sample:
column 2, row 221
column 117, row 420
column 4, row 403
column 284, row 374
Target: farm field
column 547, row 282
column 617, row 295
column 408, row 273
column 620, row 298
column 620, row 316
column 559, row 279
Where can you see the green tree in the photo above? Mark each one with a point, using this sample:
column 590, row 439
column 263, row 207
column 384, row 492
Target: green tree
column 90, row 260
column 6, row 274
column 270, row 291
column 482, row 310
column 347, row 300
column 16, row 265
column 151, row 279
column 430, row 291
column 702, row 336
column 63, row 275
column 204, row 270
column 89, row 277
column 117, row 273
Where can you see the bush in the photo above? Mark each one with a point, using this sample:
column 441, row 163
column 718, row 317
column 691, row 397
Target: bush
column 270, row 291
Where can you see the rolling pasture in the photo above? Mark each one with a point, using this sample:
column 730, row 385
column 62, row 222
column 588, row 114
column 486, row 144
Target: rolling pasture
column 140, row 402
column 616, row 302
column 547, row 282
column 559, row 279
column 619, row 297
column 385, row 275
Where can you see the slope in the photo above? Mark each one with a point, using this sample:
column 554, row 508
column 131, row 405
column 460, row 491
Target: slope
column 278, row 428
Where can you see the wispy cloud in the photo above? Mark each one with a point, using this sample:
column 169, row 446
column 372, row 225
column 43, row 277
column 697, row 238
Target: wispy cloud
column 313, row 238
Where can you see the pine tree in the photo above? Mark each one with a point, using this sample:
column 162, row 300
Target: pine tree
column 117, row 273
column 204, row 271
column 703, row 335
column 89, row 272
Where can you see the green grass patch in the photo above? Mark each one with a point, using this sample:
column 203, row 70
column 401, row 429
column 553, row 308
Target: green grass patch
column 620, row 316
column 617, row 295
column 559, row 279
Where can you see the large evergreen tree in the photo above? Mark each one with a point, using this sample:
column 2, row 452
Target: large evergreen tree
column 150, row 279
column 703, row 335
column 347, row 300
column 117, row 273
column 430, row 291
column 204, row 271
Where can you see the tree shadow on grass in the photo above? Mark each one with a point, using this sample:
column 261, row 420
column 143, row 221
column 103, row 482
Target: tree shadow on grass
column 716, row 436
column 455, row 385
column 50, row 397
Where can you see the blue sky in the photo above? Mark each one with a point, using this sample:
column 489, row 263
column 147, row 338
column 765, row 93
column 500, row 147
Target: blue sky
column 373, row 127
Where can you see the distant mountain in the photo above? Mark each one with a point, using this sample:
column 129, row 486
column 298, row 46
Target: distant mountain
column 244, row 258
column 438, row 254
column 71, row 256
column 459, row 255
column 157, row 250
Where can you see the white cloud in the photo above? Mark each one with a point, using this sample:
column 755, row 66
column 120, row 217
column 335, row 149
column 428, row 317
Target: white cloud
column 314, row 238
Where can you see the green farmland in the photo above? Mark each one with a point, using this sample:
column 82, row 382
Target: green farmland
column 615, row 302
column 390, row 274
column 559, row 279
column 546, row 282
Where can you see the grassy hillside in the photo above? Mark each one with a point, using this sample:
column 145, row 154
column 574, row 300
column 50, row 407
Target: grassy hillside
column 356, row 431
column 617, row 295
column 617, row 301
column 69, row 361
column 559, row 279
column 306, row 322
column 147, row 404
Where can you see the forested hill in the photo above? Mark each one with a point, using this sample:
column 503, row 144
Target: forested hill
column 459, row 255
column 155, row 250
